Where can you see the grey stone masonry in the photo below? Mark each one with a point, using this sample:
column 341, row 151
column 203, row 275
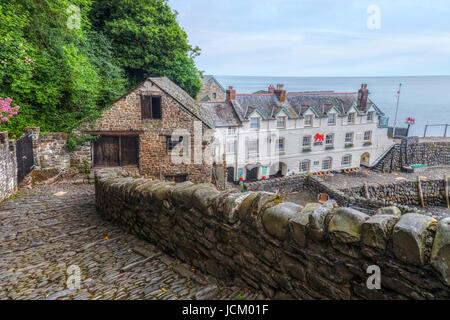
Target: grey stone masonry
column 254, row 239
column 8, row 166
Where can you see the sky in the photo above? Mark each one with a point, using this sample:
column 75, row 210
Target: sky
column 318, row 37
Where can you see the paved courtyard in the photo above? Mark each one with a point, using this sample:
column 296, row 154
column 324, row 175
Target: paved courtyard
column 49, row 233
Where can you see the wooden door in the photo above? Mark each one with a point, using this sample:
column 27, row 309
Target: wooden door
column 129, row 151
column 106, row 152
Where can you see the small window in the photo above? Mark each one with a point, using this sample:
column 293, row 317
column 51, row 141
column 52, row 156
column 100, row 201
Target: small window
column 231, row 147
column 231, row 131
column 329, row 139
column 214, row 95
column 351, row 118
column 252, row 147
column 370, row 116
column 172, row 143
column 332, row 119
column 305, row 165
column 347, row 160
column 349, row 137
column 327, row 164
column 368, row 136
column 308, row 121
column 281, row 122
column 151, row 107
column 254, row 123
column 280, row 144
column 307, row 141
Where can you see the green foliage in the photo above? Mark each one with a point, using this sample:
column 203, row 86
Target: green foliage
column 75, row 140
column 147, row 41
column 63, row 76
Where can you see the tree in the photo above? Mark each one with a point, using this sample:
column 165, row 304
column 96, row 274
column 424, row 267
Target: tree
column 147, row 41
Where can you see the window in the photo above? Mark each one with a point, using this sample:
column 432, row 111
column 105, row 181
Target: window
column 304, row 165
column 329, row 139
column 327, row 164
column 172, row 143
column 332, row 119
column 280, row 144
column 370, row 116
column 368, row 136
column 214, row 95
column 351, row 118
column 231, row 146
column 231, row 131
column 308, row 121
column 252, row 147
column 254, row 123
column 281, row 122
column 151, row 107
column 307, row 141
column 347, row 160
column 349, row 137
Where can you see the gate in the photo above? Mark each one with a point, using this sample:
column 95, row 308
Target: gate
column 25, row 158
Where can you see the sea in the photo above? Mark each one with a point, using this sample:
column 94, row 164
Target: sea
column 423, row 98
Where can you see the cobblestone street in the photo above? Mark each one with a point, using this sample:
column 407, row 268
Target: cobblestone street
column 45, row 230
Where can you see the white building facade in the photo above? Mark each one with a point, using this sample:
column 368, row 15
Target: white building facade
column 281, row 134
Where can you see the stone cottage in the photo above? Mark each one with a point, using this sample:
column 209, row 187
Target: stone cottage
column 212, row 90
column 138, row 132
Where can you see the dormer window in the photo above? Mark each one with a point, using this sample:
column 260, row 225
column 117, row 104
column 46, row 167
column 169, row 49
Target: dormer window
column 351, row 118
column 331, row 119
column 281, row 122
column 308, row 121
column 254, row 123
column 231, row 131
column 370, row 116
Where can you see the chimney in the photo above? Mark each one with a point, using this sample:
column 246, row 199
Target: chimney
column 271, row 89
column 281, row 93
column 231, row 94
column 363, row 95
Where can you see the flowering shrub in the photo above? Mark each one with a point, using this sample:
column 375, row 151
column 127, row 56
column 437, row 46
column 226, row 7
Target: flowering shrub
column 6, row 111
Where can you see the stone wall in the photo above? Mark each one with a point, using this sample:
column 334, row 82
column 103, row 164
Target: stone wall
column 430, row 151
column 315, row 185
column 52, row 151
column 8, row 166
column 285, row 250
column 405, row 192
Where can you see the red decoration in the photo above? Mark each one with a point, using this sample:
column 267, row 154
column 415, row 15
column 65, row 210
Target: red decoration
column 241, row 179
column 410, row 120
column 319, row 137
column 264, row 177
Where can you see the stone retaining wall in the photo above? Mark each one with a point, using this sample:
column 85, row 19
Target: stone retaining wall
column 415, row 150
column 253, row 239
column 8, row 166
column 405, row 192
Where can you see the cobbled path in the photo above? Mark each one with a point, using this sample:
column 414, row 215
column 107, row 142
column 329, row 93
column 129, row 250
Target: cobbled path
column 49, row 233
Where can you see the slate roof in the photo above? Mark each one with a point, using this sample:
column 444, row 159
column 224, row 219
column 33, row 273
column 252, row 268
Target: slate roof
column 208, row 77
column 184, row 99
column 297, row 104
column 222, row 112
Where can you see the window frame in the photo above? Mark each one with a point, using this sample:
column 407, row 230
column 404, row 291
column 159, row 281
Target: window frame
column 258, row 122
column 284, row 121
column 330, row 159
column 309, row 141
column 332, row 139
column 149, row 114
column 308, row 162
column 370, row 136
column 352, row 137
column 234, row 144
column 170, row 145
column 351, row 116
column 349, row 162
column 283, row 142
column 370, row 116
column 334, row 119
column 309, row 123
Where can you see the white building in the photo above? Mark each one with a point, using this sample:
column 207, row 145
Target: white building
column 279, row 133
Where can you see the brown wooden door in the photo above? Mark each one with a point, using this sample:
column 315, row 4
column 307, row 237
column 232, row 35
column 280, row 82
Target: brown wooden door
column 130, row 151
column 106, row 152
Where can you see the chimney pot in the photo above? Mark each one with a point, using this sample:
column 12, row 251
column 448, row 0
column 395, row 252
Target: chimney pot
column 363, row 96
column 281, row 93
column 231, row 94
column 271, row 89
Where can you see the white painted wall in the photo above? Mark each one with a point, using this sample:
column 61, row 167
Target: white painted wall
column 293, row 137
